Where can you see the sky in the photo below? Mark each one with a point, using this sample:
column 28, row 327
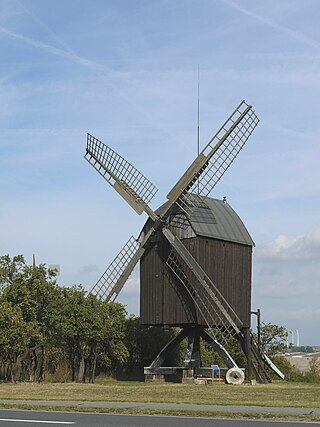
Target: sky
column 126, row 71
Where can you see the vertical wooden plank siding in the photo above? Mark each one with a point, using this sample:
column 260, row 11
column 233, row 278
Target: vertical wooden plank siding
column 164, row 301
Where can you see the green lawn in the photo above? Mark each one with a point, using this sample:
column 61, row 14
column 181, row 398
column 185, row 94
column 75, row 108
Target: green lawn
column 276, row 394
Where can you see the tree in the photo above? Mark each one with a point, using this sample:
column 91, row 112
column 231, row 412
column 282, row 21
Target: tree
column 111, row 350
column 313, row 375
column 15, row 335
column 10, row 269
column 71, row 327
column 32, row 291
column 273, row 338
column 43, row 324
column 91, row 332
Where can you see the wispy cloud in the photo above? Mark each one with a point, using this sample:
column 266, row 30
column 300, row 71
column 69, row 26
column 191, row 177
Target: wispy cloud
column 303, row 74
column 117, row 80
column 283, row 29
column 89, row 269
column 303, row 314
column 292, row 248
column 131, row 288
column 285, row 288
column 44, row 26
column 66, row 54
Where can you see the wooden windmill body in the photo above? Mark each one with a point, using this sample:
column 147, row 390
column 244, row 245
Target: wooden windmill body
column 221, row 244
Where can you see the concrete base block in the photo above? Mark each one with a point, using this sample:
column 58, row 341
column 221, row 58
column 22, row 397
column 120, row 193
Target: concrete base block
column 155, row 378
column 200, row 381
column 187, row 376
column 187, row 380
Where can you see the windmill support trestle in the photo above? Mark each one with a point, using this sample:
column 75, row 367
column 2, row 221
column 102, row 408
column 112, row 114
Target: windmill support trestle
column 192, row 368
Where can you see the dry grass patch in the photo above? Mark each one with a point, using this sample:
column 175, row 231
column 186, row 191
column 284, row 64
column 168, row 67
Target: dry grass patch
column 276, row 394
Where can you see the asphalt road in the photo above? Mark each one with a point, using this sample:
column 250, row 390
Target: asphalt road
column 169, row 406
column 20, row 418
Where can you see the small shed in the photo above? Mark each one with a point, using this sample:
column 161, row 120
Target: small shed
column 219, row 241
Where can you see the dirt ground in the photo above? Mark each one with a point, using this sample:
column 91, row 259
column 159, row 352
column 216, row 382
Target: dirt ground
column 302, row 360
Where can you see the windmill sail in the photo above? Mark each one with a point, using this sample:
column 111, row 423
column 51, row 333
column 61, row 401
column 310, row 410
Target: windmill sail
column 112, row 280
column 211, row 164
column 224, row 147
column 131, row 184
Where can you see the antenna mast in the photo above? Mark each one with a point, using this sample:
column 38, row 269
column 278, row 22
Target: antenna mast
column 198, row 130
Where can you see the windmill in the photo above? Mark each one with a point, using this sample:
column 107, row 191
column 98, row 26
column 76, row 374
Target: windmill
column 213, row 316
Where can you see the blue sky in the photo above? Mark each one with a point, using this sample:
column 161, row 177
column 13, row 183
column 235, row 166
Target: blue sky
column 126, row 71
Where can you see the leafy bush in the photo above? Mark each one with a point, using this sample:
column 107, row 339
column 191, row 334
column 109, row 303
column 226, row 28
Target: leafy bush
column 313, row 375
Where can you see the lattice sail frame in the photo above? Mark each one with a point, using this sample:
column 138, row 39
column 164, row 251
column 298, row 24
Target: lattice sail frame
column 214, row 160
column 225, row 146
column 106, row 287
column 127, row 180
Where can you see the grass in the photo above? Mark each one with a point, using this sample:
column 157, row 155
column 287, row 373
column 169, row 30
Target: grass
column 276, row 394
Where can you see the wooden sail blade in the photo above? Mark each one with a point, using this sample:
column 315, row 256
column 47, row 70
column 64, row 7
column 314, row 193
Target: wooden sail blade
column 113, row 279
column 130, row 183
column 224, row 148
column 211, row 164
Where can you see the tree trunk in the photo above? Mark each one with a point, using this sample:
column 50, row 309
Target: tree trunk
column 93, row 368
column 82, row 367
column 35, row 365
column 72, row 364
column 27, row 360
column 10, row 373
column 42, row 364
column 24, row 369
column 92, row 361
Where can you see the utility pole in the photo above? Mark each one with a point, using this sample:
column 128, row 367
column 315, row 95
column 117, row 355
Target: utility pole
column 258, row 314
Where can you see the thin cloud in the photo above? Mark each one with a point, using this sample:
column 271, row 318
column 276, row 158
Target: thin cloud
column 291, row 132
column 299, row 314
column 132, row 286
column 288, row 31
column 286, row 287
column 89, row 269
column 67, row 54
column 292, row 248
column 304, row 75
column 115, row 80
column 45, row 26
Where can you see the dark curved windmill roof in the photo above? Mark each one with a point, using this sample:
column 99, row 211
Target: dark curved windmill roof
column 216, row 219
column 226, row 225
